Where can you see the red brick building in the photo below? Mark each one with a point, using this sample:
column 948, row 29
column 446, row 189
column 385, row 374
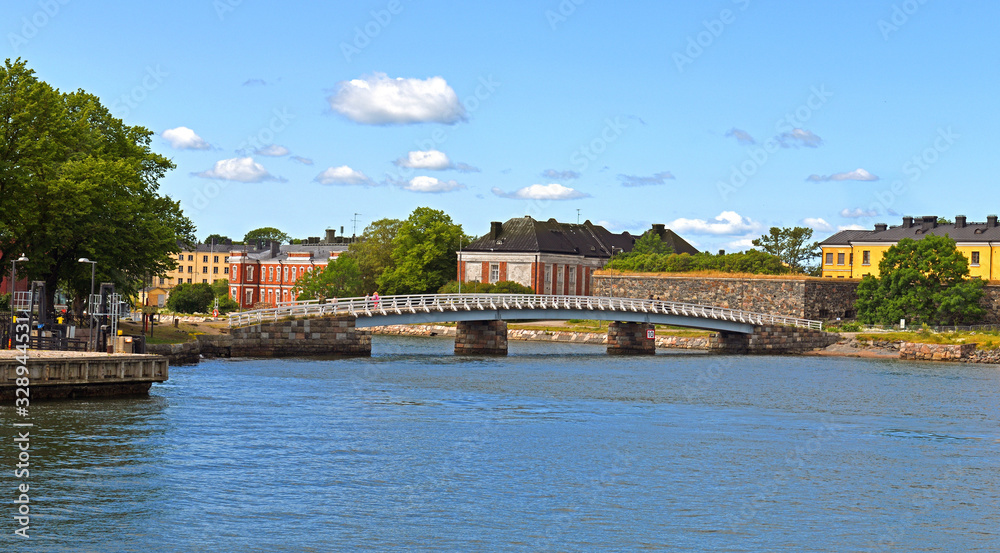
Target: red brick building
column 549, row 256
column 267, row 278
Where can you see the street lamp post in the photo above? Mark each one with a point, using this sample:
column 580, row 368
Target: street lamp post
column 13, row 288
column 90, row 314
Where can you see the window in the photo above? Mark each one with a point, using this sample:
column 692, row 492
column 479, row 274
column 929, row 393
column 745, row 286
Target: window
column 548, row 279
column 494, row 272
column 189, row 281
column 204, row 281
column 270, row 274
column 225, row 270
column 284, row 295
column 204, row 270
column 204, row 259
column 180, row 257
column 560, row 271
column 215, row 270
column 190, row 258
column 851, row 262
column 829, row 259
column 227, row 259
column 572, row 280
column 163, row 280
column 975, row 259
column 232, row 293
column 250, row 273
column 215, row 259
column 250, row 296
column 180, row 268
column 286, row 273
column 190, row 268
column 270, row 296
column 866, row 258
column 840, row 259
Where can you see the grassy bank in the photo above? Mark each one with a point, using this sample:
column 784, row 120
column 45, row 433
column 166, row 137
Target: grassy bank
column 983, row 340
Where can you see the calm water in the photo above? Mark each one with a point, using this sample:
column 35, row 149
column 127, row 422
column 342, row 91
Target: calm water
column 554, row 448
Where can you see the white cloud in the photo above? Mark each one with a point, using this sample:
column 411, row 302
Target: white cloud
column 560, row 175
column 797, row 138
column 542, row 192
column 727, row 222
column 302, row 160
column 817, row 223
column 741, row 243
column 343, row 175
column 378, row 99
column 635, row 180
column 239, row 169
column 857, row 174
column 272, row 150
column 742, row 137
column 430, row 185
column 434, row 160
column 183, row 138
column 857, row 213
column 851, row 227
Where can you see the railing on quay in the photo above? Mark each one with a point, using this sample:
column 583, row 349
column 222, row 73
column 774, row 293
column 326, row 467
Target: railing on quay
column 426, row 303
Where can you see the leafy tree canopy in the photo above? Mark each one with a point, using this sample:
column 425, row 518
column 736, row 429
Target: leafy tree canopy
column 266, row 234
column 191, row 298
column 423, row 255
column 219, row 239
column 341, row 278
column 373, row 251
column 791, row 245
column 77, row 182
column 751, row 261
column 922, row 281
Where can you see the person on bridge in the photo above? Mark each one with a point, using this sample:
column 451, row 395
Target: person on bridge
column 375, row 298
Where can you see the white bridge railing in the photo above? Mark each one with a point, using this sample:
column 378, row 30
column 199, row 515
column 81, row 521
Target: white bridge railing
column 440, row 303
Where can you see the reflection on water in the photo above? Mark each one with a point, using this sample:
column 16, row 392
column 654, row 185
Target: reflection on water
column 554, row 448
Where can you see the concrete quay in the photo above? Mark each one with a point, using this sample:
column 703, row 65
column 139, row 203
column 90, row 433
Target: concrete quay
column 71, row 374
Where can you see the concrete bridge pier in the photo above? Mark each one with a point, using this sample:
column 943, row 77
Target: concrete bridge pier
column 771, row 339
column 630, row 339
column 481, row 337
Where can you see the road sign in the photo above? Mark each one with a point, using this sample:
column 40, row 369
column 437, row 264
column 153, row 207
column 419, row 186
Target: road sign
column 650, row 334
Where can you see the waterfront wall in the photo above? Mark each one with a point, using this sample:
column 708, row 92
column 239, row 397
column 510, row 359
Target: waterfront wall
column 60, row 375
column 935, row 352
column 805, row 297
column 481, row 337
column 770, row 339
column 300, row 337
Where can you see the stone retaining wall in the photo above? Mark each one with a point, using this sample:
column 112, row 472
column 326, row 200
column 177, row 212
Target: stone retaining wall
column 807, row 298
column 935, row 352
column 630, row 339
column 481, row 337
column 302, row 337
column 772, row 340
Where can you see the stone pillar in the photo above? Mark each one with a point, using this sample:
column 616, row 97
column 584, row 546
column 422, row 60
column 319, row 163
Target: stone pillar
column 772, row 340
column 481, row 337
column 630, row 339
column 302, row 337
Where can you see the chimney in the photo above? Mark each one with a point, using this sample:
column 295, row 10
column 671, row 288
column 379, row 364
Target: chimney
column 929, row 222
column 881, row 226
column 229, row 241
column 959, row 221
column 495, row 228
column 907, row 222
column 722, row 252
column 275, row 247
column 331, row 235
column 659, row 229
column 991, row 220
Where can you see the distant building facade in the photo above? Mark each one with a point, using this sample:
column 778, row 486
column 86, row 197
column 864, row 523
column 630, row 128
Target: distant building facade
column 856, row 253
column 548, row 256
column 267, row 277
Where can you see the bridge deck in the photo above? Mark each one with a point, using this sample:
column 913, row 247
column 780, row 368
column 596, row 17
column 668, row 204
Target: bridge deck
column 430, row 308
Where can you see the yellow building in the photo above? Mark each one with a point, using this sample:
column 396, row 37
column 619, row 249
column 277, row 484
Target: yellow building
column 856, row 253
column 205, row 263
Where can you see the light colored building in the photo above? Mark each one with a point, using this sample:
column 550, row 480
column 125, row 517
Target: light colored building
column 856, row 253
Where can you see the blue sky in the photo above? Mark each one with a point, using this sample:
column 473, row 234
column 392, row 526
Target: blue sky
column 720, row 118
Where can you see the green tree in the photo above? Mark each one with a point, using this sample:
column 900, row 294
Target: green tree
column 423, row 254
column 265, row 234
column 191, row 298
column 77, row 182
column 650, row 242
column 341, row 278
column 791, row 245
column 219, row 239
column 220, row 290
column 922, row 281
column 373, row 251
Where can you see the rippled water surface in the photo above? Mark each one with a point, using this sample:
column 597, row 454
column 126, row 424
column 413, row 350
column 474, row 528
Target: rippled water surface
column 553, row 448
